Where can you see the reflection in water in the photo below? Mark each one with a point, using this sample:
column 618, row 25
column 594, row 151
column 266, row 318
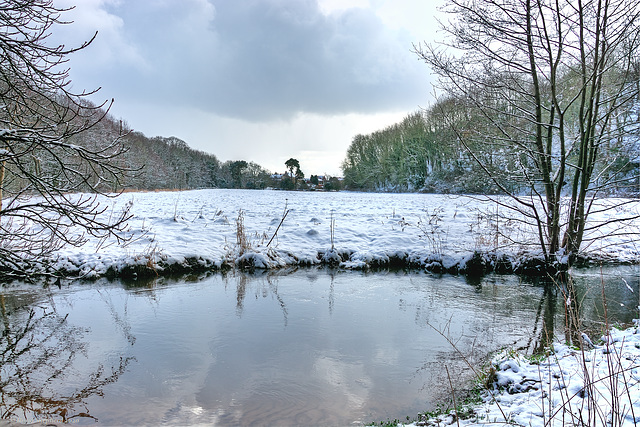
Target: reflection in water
column 242, row 290
column 572, row 305
column 320, row 347
column 587, row 301
column 120, row 321
column 268, row 286
column 547, row 310
column 331, row 292
column 38, row 348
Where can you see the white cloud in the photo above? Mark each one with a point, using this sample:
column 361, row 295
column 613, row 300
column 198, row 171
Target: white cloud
column 110, row 48
column 336, row 6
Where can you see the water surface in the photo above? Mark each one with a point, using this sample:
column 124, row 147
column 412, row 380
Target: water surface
column 312, row 347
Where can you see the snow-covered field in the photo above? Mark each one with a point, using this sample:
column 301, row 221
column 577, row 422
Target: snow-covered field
column 198, row 229
column 600, row 387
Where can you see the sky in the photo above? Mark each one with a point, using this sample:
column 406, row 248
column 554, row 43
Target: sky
column 255, row 80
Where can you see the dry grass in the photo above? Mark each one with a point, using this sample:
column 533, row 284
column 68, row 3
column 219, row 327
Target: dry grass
column 242, row 240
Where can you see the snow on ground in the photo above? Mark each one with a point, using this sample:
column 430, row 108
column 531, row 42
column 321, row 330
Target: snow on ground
column 199, row 228
column 597, row 387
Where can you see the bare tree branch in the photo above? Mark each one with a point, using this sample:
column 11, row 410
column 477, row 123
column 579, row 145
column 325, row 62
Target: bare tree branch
column 46, row 152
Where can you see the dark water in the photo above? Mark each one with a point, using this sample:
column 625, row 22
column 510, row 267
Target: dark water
column 311, row 347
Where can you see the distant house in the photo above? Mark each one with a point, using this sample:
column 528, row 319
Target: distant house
column 278, row 177
column 319, row 185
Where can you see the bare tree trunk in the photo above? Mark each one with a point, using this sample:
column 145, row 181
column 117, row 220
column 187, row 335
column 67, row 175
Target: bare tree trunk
column 2, row 166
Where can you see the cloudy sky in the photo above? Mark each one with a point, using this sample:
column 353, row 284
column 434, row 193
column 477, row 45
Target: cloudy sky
column 259, row 80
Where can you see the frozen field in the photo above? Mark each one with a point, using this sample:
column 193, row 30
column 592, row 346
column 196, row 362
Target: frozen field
column 200, row 227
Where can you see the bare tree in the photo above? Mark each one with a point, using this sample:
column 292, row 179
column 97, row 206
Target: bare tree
column 550, row 85
column 48, row 185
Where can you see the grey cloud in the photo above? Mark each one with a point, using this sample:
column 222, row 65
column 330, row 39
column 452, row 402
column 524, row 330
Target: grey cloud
column 262, row 59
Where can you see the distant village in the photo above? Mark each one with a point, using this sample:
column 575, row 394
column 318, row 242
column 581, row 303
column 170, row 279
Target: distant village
column 287, row 181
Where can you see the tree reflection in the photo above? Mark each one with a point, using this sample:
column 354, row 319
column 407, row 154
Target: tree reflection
column 547, row 311
column 332, row 296
column 572, row 310
column 560, row 294
column 37, row 349
column 266, row 285
column 241, row 292
column 563, row 295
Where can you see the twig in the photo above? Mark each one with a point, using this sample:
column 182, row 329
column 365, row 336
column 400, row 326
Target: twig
column 284, row 215
column 453, row 395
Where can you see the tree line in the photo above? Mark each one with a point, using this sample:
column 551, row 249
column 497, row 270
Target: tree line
column 417, row 154
column 450, row 147
column 148, row 163
column 169, row 163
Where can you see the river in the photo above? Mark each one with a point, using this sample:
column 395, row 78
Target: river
column 304, row 347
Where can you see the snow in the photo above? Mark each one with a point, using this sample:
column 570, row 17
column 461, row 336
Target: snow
column 599, row 387
column 197, row 229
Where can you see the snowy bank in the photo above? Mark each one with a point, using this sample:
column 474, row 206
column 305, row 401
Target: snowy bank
column 176, row 232
column 600, row 387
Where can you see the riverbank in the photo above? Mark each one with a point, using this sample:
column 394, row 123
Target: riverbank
column 211, row 230
column 597, row 386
